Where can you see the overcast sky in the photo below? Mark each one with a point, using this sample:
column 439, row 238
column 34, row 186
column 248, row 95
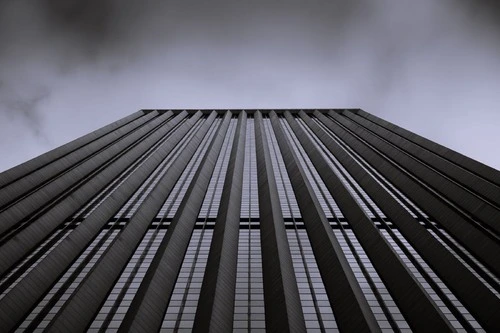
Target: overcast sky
column 68, row 67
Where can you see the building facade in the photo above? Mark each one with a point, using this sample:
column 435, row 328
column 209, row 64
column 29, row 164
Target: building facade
column 250, row 220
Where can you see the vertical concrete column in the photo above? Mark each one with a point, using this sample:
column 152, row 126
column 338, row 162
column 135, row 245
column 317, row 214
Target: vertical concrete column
column 281, row 295
column 216, row 304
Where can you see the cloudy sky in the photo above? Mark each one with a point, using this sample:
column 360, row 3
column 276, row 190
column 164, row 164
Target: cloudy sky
column 68, row 67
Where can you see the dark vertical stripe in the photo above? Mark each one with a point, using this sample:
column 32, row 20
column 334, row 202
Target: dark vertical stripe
column 349, row 305
column 79, row 311
column 484, row 248
column 53, row 266
column 31, row 203
column 30, row 234
column 10, row 193
column 283, row 310
column 463, row 199
column 148, row 308
column 474, row 166
column 469, row 180
column 478, row 299
column 25, row 168
column 216, row 303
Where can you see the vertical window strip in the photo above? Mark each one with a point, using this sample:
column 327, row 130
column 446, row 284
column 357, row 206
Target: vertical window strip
column 373, row 289
column 437, row 290
column 112, row 313
column 141, row 194
column 249, row 313
column 319, row 315
column 367, row 167
column 53, row 301
column 183, row 303
column 26, row 266
column 288, row 202
column 245, row 187
column 117, row 182
column 249, row 200
column 249, row 294
column 212, row 199
column 175, row 197
column 254, row 186
column 385, row 297
column 361, row 197
column 324, row 196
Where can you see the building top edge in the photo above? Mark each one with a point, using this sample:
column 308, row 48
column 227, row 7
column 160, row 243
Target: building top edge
column 306, row 110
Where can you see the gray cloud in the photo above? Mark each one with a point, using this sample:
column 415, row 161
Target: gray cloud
column 25, row 107
column 73, row 66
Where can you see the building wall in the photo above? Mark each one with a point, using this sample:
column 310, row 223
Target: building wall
column 250, row 220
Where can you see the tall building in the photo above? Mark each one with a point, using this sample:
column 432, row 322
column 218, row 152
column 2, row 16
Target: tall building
column 276, row 220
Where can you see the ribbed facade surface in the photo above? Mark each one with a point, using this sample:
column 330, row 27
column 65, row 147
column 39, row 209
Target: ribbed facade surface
column 250, row 220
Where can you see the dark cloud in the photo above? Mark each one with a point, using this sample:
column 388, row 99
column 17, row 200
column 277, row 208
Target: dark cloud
column 68, row 67
column 90, row 18
column 26, row 107
column 484, row 12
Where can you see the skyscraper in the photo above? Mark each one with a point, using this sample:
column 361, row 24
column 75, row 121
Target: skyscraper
column 250, row 220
